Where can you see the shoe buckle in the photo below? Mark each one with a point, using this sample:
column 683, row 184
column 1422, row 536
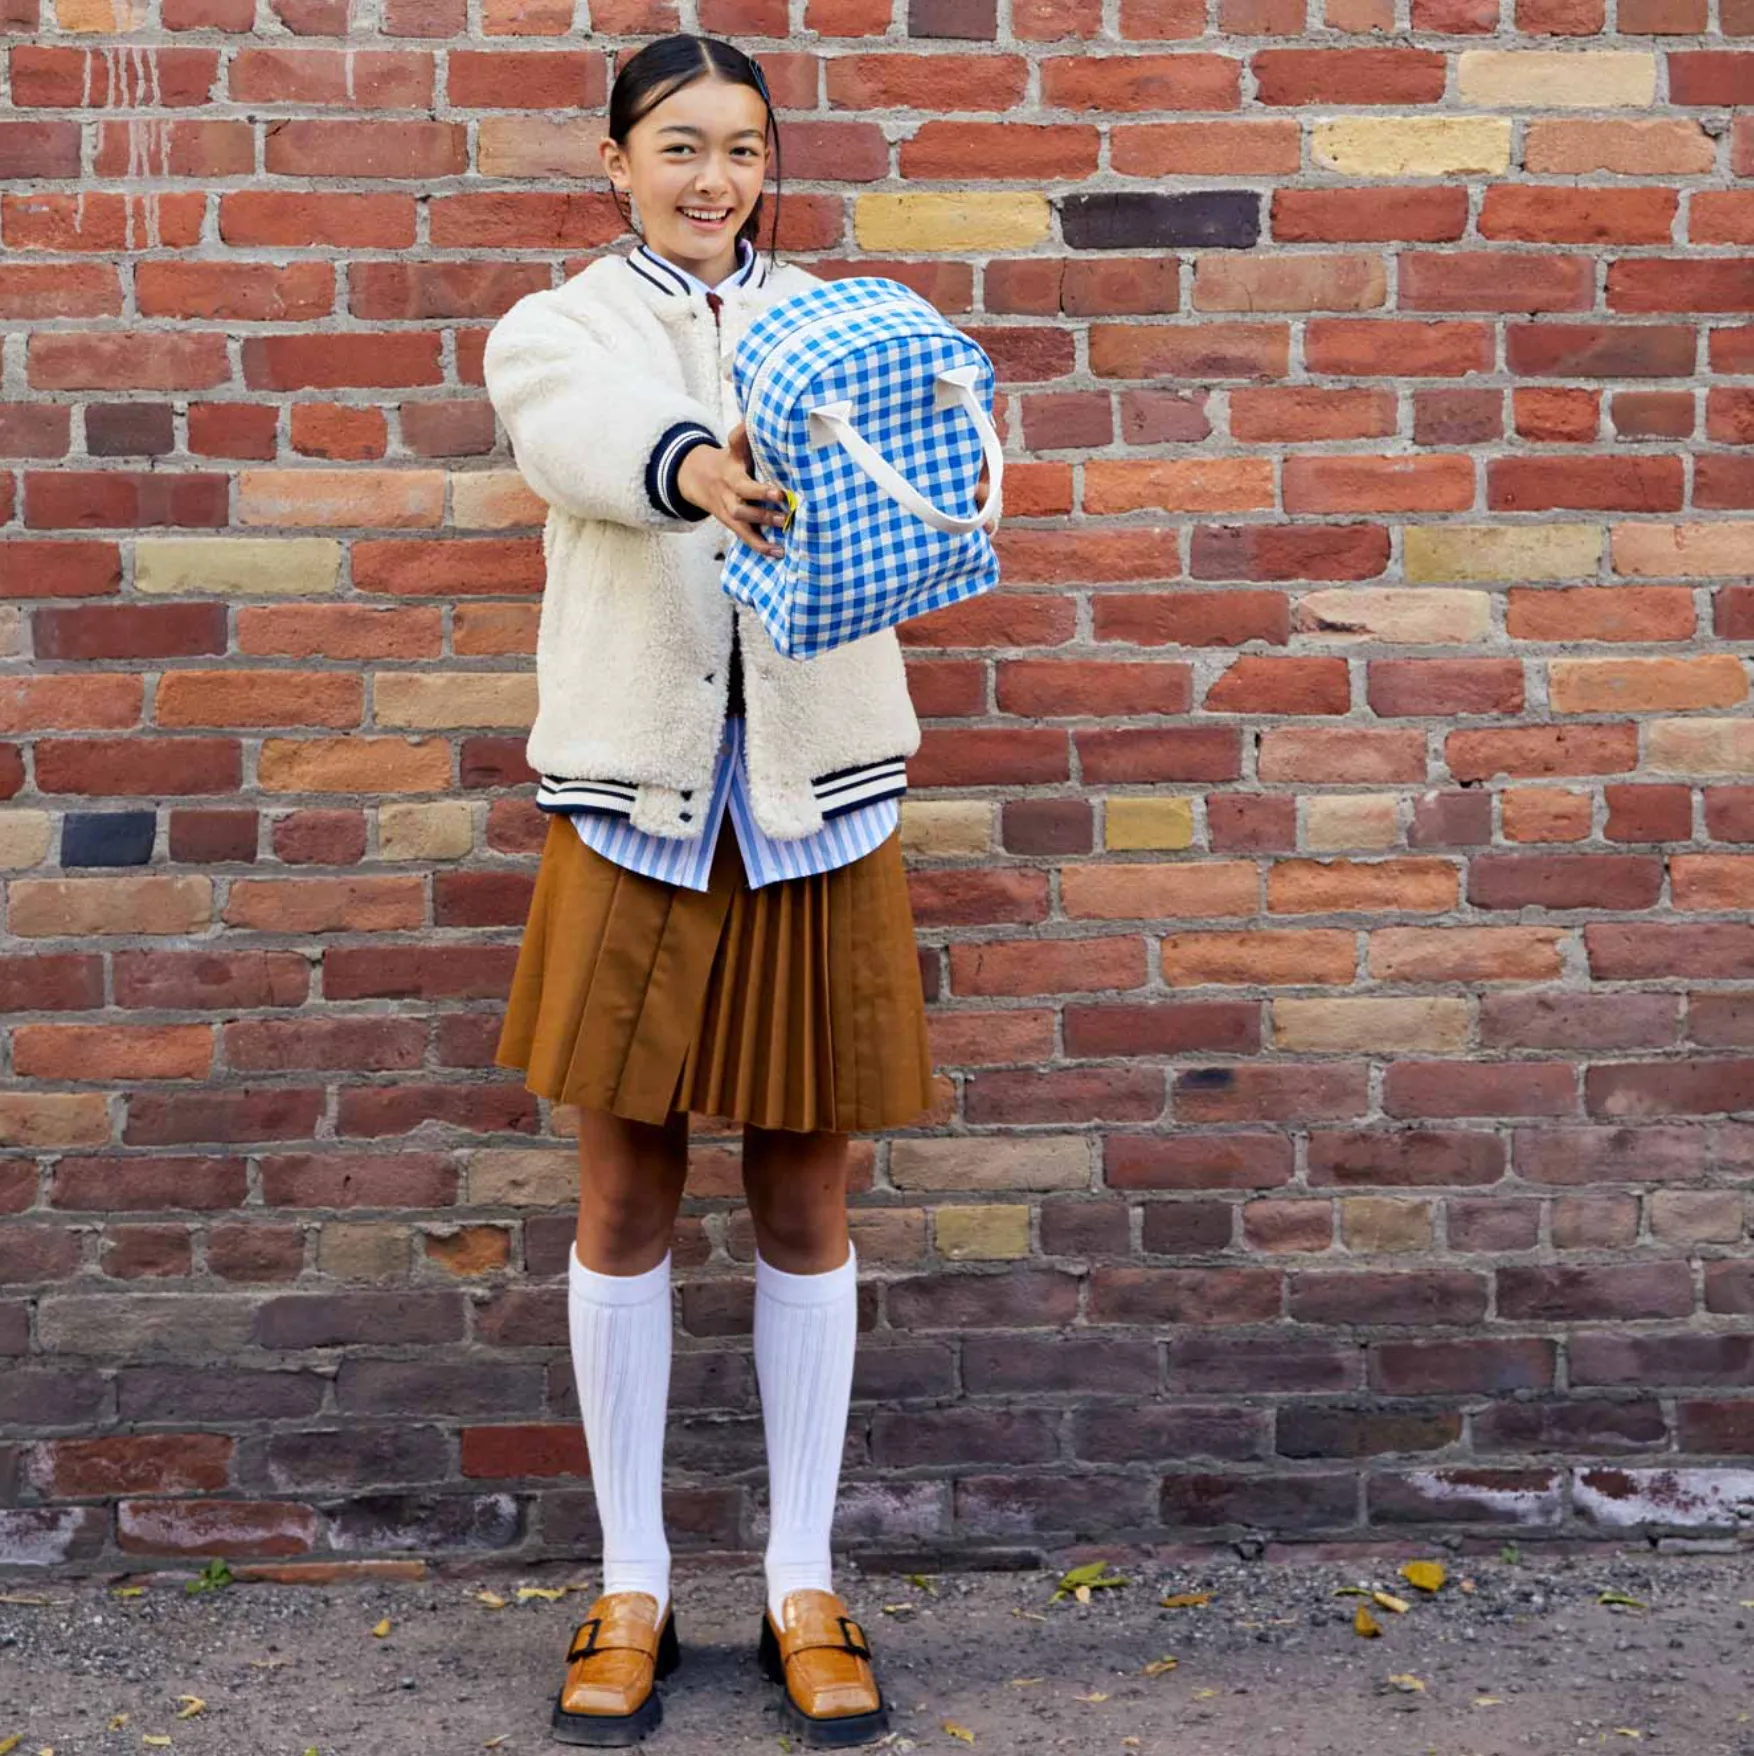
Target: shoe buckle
column 594, row 1623
column 854, row 1637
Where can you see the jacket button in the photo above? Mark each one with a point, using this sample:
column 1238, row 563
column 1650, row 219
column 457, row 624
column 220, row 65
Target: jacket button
column 718, row 554
column 686, row 816
column 687, row 793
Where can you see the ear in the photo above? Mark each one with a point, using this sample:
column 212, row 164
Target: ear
column 614, row 162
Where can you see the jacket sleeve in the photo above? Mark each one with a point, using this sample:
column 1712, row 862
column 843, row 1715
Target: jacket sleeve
column 592, row 433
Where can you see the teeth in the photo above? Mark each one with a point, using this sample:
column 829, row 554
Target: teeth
column 716, row 213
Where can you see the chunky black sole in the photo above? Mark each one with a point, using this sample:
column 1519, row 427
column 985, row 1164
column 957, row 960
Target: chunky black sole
column 616, row 1731
column 823, row 1734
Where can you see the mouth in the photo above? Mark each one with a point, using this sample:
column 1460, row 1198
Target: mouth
column 706, row 219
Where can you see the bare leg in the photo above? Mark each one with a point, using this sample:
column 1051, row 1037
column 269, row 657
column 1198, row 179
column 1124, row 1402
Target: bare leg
column 796, row 1185
column 630, row 1185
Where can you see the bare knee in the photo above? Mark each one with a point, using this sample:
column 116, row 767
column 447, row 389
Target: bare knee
column 630, row 1183
column 796, row 1185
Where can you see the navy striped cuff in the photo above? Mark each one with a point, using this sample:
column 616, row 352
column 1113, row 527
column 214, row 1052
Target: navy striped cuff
column 665, row 465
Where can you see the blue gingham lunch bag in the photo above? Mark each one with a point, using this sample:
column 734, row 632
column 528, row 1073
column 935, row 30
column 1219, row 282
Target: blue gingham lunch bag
column 873, row 412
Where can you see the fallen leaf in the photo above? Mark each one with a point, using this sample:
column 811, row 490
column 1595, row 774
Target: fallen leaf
column 494, row 1743
column 192, row 1705
column 47, row 1750
column 1351, row 1591
column 129, row 1591
column 1028, row 1615
column 1096, row 1695
column 117, row 1721
column 1080, row 1582
column 1466, row 1585
column 157, row 1740
column 526, row 1592
column 957, row 1731
column 1024, row 1682
column 1158, row 1666
column 1488, row 1700
column 1186, row 1600
column 28, row 1600
column 1204, row 1694
column 1427, row 1575
column 1389, row 1601
column 1747, row 1603
column 1129, row 1743
column 1628, row 1732
column 1365, row 1623
column 12, row 1743
column 491, row 1598
column 896, row 1609
column 1407, row 1683
column 924, row 1582
column 382, row 1628
column 1620, row 1597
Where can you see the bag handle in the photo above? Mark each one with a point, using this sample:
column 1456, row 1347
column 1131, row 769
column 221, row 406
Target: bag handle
column 831, row 424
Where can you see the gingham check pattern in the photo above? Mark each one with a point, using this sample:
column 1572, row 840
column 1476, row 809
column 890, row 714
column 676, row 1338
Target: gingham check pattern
column 854, row 560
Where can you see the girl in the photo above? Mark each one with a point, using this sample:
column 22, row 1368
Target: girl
column 760, row 969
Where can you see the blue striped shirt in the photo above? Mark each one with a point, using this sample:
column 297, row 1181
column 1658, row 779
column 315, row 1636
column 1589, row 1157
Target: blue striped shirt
column 840, row 840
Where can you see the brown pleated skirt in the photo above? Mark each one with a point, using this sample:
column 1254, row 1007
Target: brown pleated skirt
column 797, row 1005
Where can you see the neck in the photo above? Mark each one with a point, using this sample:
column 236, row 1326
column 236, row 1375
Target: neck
column 718, row 268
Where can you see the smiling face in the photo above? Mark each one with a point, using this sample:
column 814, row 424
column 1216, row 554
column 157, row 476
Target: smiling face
column 694, row 165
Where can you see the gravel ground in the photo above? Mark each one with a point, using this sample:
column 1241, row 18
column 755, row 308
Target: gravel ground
column 1511, row 1655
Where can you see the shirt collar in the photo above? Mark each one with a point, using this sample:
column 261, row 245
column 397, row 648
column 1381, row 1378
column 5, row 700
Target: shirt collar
column 667, row 277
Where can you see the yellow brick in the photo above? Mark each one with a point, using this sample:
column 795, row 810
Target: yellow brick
column 1683, row 551
column 11, row 631
column 1417, row 617
column 106, row 16
column 1349, row 821
column 1052, row 1161
column 1549, row 79
column 25, row 838
column 1433, row 552
column 62, row 907
column 962, row 221
column 494, row 500
column 1412, row 146
column 362, row 1250
column 933, row 827
column 257, row 567
column 454, row 698
column 515, row 1177
column 1700, row 746
column 1379, row 1223
column 425, row 832
column 966, row 1234
column 1132, row 823
column 1334, row 1026
column 54, row 1118
column 393, row 498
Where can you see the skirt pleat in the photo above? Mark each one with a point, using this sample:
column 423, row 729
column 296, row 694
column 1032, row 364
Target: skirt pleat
column 797, row 1005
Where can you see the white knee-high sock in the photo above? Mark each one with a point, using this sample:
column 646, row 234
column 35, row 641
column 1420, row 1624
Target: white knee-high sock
column 806, row 1328
column 620, row 1326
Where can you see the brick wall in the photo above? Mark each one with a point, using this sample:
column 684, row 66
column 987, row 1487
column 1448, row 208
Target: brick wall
column 1330, row 848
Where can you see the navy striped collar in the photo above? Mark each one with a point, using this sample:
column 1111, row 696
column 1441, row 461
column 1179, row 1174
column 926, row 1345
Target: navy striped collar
column 663, row 274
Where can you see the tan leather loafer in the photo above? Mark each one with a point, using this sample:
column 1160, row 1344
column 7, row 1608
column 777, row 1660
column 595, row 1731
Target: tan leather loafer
column 610, row 1696
column 821, row 1656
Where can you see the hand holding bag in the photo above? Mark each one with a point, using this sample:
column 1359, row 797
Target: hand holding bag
column 874, row 412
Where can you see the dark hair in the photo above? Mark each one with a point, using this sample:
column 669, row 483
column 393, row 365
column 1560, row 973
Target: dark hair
column 665, row 66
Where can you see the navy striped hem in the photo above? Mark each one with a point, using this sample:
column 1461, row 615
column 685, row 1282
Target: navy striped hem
column 664, row 468
column 845, row 790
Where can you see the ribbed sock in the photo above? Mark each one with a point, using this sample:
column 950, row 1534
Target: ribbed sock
column 620, row 1326
column 806, row 1328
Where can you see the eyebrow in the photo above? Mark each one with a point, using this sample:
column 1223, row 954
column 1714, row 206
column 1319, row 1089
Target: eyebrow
column 686, row 128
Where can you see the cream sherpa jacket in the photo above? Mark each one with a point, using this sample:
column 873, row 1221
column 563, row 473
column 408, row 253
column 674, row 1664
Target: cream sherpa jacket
column 634, row 639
